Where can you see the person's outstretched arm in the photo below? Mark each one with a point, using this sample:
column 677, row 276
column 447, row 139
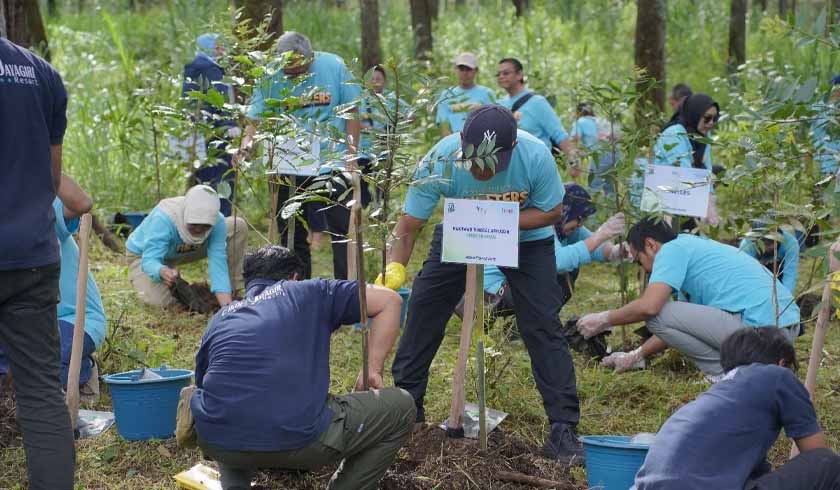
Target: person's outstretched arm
column 383, row 307
column 75, row 200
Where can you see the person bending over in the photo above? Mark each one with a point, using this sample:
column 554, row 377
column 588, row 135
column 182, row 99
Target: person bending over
column 574, row 246
column 185, row 229
column 721, row 290
column 525, row 173
column 721, row 439
column 263, row 377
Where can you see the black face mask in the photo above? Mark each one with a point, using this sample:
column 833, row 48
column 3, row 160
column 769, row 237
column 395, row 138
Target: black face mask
column 692, row 110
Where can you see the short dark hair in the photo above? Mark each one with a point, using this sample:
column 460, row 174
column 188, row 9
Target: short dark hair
column 271, row 262
column 765, row 345
column 380, row 70
column 650, row 227
column 681, row 90
column 585, row 108
column 517, row 65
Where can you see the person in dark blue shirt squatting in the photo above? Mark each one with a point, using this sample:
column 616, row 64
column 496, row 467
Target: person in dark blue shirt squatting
column 263, row 377
column 721, row 439
column 526, row 173
column 33, row 119
column 200, row 75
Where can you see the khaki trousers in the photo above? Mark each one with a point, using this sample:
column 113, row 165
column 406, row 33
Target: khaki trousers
column 157, row 293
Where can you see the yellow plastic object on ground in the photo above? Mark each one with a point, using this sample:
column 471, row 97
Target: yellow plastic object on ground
column 199, row 477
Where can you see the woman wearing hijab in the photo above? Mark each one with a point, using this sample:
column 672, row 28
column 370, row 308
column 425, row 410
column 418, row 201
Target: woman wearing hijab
column 200, row 75
column 574, row 246
column 681, row 144
column 185, row 229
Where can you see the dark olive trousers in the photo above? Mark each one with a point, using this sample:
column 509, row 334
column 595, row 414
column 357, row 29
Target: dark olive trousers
column 365, row 434
column 29, row 337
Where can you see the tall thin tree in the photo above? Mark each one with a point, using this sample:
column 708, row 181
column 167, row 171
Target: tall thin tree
column 23, row 25
column 371, row 45
column 737, row 35
column 650, row 46
column 783, row 8
column 521, row 6
column 421, row 25
column 256, row 11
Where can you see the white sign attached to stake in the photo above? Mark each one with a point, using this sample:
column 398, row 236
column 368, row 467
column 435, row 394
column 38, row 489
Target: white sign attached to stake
column 481, row 232
column 292, row 156
column 677, row 190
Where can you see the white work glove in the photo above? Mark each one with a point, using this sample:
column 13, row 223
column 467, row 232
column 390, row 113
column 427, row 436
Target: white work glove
column 612, row 228
column 620, row 253
column 712, row 217
column 594, row 323
column 625, row 361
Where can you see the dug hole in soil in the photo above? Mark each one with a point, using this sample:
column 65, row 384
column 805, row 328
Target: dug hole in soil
column 431, row 460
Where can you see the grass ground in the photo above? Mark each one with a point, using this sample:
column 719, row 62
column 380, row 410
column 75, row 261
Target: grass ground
column 610, row 404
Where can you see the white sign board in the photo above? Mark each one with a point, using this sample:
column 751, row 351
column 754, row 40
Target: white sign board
column 293, row 156
column 188, row 149
column 481, row 232
column 677, row 190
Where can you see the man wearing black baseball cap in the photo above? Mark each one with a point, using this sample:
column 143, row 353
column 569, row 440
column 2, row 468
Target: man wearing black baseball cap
column 525, row 172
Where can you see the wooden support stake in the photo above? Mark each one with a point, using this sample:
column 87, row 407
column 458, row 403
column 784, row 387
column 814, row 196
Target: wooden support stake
column 79, row 325
column 817, row 346
column 455, row 423
column 272, row 223
column 356, row 251
column 482, row 385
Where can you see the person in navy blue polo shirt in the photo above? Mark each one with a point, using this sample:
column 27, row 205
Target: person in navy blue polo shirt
column 33, row 106
column 263, row 377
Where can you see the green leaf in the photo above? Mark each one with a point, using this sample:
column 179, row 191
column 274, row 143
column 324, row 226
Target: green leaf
column 469, row 150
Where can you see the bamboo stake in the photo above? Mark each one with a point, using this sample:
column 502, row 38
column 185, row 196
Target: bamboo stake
column 272, row 223
column 455, row 423
column 357, row 247
column 817, row 346
column 482, row 381
column 79, row 325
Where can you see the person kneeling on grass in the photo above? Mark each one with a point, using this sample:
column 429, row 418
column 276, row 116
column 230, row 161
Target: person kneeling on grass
column 723, row 289
column 263, row 376
column 574, row 246
column 186, row 229
column 71, row 203
column 721, row 439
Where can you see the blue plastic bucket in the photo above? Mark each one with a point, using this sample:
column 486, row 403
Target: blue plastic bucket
column 612, row 461
column 146, row 409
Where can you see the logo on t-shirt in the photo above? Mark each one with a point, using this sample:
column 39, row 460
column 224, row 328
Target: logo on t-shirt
column 316, row 99
column 17, row 74
column 511, row 196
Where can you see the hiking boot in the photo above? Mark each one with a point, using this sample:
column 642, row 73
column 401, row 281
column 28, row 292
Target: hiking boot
column 563, row 445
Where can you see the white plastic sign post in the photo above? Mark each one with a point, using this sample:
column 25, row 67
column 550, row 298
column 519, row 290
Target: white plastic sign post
column 481, row 232
column 293, row 156
column 677, row 190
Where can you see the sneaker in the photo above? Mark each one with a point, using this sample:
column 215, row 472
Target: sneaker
column 563, row 445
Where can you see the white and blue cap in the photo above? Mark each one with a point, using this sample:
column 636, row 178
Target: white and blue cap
column 206, row 44
column 491, row 122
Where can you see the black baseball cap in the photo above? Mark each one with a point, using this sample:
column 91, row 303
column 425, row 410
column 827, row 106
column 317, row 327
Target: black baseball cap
column 491, row 121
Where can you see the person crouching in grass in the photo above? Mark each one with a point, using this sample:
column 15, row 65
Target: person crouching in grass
column 721, row 439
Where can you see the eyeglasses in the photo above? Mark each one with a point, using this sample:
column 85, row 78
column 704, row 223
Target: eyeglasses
column 708, row 119
column 504, row 73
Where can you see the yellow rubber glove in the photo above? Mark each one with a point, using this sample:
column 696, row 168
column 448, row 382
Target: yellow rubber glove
column 394, row 276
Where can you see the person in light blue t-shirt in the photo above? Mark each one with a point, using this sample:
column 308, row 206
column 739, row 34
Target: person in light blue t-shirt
column 533, row 113
column 781, row 258
column 603, row 157
column 574, row 246
column 315, row 85
column 455, row 103
column 680, row 144
column 724, row 290
column 526, row 174
column 185, row 229
column 71, row 203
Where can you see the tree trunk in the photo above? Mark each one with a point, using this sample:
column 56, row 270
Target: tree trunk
column 421, row 24
column 434, row 8
column 255, row 11
column 52, row 8
column 460, row 3
column 371, row 47
column 763, row 4
column 521, row 6
column 783, row 7
column 650, row 46
column 23, row 25
column 737, row 35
